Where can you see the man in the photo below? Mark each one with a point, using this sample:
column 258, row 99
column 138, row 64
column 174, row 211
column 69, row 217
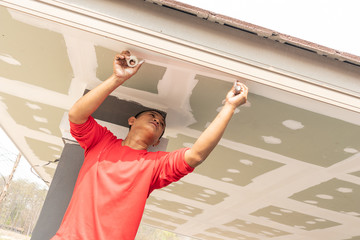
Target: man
column 118, row 175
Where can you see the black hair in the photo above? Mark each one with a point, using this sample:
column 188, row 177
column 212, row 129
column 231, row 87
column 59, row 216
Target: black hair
column 163, row 114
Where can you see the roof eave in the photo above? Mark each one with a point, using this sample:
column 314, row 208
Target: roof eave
column 260, row 31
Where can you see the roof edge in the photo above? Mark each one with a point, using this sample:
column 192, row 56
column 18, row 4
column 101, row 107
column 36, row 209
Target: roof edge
column 260, row 31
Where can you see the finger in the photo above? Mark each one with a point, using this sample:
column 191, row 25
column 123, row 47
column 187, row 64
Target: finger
column 126, row 53
column 139, row 65
column 119, row 57
column 246, row 89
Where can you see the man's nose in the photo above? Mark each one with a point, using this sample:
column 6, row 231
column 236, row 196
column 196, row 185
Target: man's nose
column 156, row 120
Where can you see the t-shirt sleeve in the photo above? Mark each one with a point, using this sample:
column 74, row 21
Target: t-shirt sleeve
column 89, row 133
column 171, row 167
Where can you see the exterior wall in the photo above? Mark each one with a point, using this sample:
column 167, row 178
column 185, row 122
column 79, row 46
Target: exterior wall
column 60, row 192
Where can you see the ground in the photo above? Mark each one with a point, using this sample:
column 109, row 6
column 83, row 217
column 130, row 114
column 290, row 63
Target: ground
column 9, row 235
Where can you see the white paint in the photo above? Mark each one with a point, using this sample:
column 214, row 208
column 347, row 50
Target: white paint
column 35, row 94
column 300, row 227
column 267, row 233
column 246, row 162
column 276, row 213
column 190, row 207
column 271, row 140
column 344, row 190
column 45, row 130
column 325, row 196
column 293, row 125
column 355, row 214
column 40, row 119
column 233, row 171
column 176, row 87
column 200, row 199
column 350, row 150
column 210, row 192
column 226, row 179
column 247, row 104
column 311, row 202
column 286, row 211
column 33, row 106
column 184, row 211
column 9, row 59
column 204, row 195
column 54, row 148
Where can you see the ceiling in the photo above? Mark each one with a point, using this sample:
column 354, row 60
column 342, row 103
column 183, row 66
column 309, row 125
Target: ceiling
column 288, row 166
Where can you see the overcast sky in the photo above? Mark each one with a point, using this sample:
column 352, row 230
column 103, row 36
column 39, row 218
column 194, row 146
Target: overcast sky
column 8, row 154
column 331, row 23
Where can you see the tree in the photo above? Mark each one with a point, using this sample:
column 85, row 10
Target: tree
column 7, row 183
column 21, row 208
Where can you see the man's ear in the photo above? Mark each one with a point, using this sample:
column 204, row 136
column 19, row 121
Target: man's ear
column 131, row 121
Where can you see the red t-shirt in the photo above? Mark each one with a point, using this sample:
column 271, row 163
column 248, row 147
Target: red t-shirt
column 113, row 184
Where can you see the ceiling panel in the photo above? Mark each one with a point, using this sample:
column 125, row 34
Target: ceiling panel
column 30, row 50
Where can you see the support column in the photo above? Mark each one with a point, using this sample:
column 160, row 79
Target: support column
column 60, row 192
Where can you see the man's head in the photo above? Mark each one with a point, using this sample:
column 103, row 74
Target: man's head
column 152, row 117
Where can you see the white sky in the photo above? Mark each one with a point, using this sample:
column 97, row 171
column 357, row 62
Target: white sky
column 23, row 170
column 331, row 23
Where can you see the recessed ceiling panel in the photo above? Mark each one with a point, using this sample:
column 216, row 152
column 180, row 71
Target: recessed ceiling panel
column 175, row 207
column 335, row 194
column 356, row 173
column 34, row 115
column 293, row 218
column 45, row 151
column 251, row 227
column 33, row 55
column 196, row 192
column 228, row 165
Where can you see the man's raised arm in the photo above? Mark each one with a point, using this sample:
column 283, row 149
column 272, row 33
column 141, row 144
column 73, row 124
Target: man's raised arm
column 213, row 133
column 88, row 103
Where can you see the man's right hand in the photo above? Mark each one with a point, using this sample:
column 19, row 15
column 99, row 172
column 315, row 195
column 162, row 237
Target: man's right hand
column 88, row 103
column 121, row 70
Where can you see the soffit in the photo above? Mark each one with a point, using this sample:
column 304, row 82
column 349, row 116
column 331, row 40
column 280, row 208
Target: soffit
column 286, row 167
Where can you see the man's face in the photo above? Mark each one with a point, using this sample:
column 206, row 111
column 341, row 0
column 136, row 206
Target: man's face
column 151, row 121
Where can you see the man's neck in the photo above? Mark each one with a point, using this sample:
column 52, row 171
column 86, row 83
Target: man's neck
column 136, row 143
